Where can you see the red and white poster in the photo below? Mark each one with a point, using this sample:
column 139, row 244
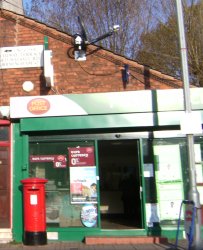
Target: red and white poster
column 59, row 161
column 83, row 183
column 81, row 156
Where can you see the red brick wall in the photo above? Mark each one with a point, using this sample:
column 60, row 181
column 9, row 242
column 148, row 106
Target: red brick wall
column 99, row 73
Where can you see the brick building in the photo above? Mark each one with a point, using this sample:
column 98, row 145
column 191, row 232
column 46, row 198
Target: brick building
column 51, row 105
column 101, row 72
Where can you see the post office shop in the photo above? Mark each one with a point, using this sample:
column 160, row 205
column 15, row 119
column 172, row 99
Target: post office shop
column 115, row 163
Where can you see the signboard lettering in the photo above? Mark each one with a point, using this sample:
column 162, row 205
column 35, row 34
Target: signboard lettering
column 38, row 106
column 21, row 57
column 59, row 161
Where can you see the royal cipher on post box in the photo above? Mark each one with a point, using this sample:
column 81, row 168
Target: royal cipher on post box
column 34, row 211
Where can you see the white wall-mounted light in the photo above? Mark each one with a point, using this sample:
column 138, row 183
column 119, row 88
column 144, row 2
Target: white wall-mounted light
column 28, row 86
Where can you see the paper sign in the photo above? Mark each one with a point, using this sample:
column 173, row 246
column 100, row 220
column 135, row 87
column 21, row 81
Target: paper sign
column 148, row 170
column 33, row 199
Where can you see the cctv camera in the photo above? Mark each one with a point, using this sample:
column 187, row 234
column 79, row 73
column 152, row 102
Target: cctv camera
column 116, row 27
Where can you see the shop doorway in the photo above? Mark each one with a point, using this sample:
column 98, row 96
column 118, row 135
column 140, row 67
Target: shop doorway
column 119, row 171
column 4, row 177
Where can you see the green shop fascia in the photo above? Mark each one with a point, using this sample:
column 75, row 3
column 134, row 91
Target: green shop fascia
column 116, row 163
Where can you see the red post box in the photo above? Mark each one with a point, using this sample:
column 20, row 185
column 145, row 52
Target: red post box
column 34, row 211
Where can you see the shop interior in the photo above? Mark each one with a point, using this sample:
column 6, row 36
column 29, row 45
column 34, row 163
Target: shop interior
column 119, row 171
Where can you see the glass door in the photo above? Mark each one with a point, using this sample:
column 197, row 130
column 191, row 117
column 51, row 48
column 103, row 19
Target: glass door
column 4, row 187
column 4, row 177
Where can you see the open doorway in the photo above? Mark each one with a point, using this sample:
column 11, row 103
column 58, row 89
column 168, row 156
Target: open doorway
column 119, row 172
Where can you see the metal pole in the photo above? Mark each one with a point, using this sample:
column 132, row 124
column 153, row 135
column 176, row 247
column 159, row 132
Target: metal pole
column 193, row 192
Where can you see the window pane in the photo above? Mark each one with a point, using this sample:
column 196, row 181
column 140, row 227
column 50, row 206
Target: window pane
column 50, row 160
column 4, row 133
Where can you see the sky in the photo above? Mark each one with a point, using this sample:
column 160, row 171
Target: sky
column 25, row 2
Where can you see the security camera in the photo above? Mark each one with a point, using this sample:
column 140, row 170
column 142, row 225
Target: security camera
column 116, row 28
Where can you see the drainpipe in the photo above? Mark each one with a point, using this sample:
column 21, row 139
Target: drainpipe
column 193, row 192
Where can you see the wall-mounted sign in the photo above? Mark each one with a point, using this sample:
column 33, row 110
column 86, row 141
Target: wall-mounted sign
column 35, row 106
column 59, row 161
column 81, row 156
column 21, row 57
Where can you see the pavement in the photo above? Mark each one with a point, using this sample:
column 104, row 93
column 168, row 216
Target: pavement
column 65, row 245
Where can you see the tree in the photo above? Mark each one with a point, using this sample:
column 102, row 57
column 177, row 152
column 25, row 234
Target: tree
column 133, row 16
column 160, row 47
column 148, row 29
column 58, row 14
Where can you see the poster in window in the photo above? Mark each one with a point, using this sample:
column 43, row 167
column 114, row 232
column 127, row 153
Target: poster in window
column 89, row 215
column 59, row 161
column 81, row 156
column 170, row 196
column 83, row 187
column 168, row 163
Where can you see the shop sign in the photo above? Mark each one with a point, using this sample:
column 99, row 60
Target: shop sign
column 81, row 156
column 21, row 57
column 46, row 106
column 59, row 161
column 38, row 106
column 89, row 215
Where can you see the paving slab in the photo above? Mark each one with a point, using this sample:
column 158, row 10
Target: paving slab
column 182, row 245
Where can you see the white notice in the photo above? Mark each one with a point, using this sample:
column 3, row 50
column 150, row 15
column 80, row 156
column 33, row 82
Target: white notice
column 21, row 57
column 33, row 199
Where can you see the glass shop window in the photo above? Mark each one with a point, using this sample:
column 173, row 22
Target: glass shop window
column 198, row 148
column 71, row 194
column 169, row 169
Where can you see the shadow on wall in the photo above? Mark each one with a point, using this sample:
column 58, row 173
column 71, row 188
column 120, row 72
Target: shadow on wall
column 147, row 77
column 43, row 89
column 126, row 75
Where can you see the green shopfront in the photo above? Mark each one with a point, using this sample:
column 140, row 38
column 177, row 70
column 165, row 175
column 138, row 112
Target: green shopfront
column 116, row 163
